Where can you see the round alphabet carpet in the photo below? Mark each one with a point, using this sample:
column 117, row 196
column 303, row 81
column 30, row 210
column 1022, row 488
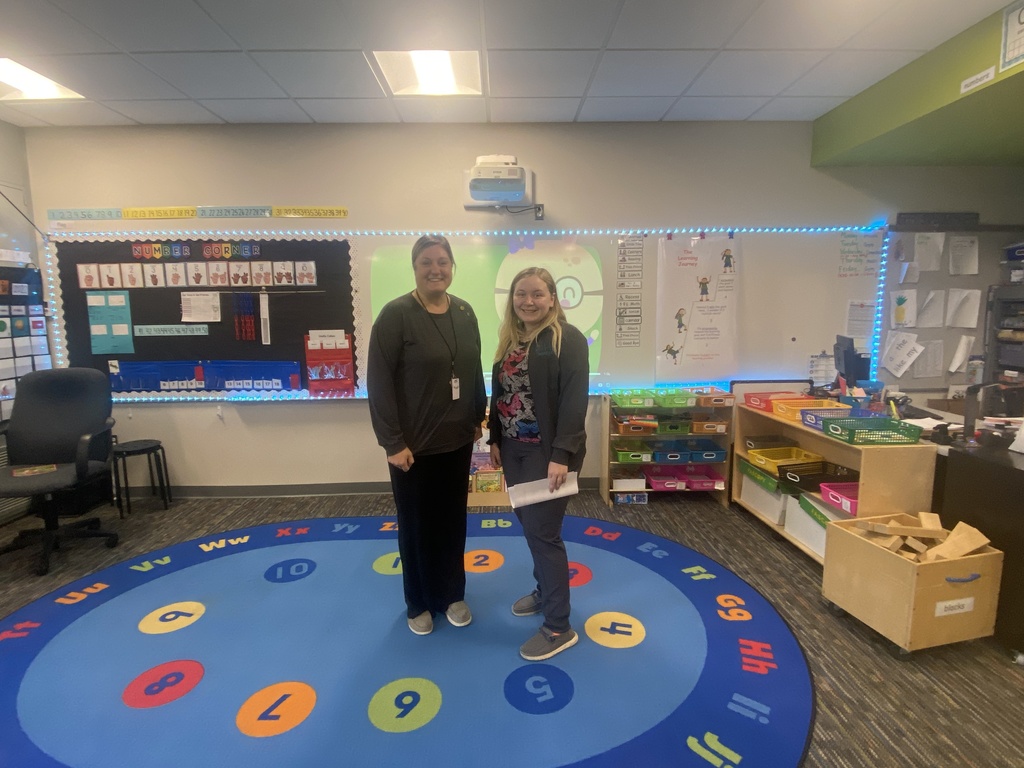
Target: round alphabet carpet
column 287, row 645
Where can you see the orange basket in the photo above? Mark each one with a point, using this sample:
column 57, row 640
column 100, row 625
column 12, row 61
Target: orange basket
column 790, row 409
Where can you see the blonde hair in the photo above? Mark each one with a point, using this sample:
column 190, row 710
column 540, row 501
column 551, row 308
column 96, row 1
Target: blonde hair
column 512, row 332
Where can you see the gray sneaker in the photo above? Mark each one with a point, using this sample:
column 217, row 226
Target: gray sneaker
column 459, row 614
column 544, row 644
column 422, row 624
column 527, row 605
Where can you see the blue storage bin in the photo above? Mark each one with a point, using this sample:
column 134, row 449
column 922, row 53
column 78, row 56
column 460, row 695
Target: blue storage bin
column 672, row 452
column 704, row 451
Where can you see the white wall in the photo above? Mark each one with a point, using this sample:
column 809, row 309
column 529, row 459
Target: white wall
column 16, row 234
column 408, row 177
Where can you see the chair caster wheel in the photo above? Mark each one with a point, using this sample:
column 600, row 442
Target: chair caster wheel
column 112, row 541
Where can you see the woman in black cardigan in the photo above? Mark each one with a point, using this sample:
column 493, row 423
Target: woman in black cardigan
column 537, row 426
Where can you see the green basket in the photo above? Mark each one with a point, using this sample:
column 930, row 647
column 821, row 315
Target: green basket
column 871, row 431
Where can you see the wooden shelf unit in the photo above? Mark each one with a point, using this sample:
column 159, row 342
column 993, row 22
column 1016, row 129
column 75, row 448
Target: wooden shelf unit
column 893, row 478
column 610, row 467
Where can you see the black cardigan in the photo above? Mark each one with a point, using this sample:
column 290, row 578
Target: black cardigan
column 560, row 387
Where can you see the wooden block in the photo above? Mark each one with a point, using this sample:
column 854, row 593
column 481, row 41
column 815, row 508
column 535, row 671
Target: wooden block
column 892, row 543
column 915, row 544
column 921, row 533
column 875, row 527
column 912, row 556
column 929, row 520
column 963, row 540
column 896, row 544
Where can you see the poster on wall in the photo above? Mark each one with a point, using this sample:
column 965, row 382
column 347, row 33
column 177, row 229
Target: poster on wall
column 696, row 310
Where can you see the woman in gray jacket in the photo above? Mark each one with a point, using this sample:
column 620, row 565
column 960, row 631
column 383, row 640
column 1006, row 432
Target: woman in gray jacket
column 537, row 422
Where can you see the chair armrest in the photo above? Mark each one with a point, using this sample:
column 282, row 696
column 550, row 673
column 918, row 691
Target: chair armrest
column 84, row 450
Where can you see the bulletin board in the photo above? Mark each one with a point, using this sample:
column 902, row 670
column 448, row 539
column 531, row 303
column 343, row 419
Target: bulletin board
column 932, row 292
column 124, row 300
column 783, row 294
column 24, row 346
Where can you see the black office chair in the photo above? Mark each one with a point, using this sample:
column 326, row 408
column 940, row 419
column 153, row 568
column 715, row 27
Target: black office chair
column 59, row 447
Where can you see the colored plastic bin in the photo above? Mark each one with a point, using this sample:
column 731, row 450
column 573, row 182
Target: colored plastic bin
column 872, row 431
column 841, row 495
column 771, row 459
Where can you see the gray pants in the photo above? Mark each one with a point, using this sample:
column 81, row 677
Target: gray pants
column 542, row 525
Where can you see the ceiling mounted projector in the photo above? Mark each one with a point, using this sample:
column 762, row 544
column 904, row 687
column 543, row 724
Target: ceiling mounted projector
column 497, row 180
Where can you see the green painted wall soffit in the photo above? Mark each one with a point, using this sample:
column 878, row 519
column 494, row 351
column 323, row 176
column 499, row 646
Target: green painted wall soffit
column 916, row 116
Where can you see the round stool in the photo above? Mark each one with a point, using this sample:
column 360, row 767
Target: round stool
column 156, row 458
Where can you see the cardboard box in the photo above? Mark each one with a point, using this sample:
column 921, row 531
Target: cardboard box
column 806, row 521
column 915, row 605
column 954, row 405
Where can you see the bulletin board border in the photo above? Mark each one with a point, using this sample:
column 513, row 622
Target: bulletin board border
column 52, row 288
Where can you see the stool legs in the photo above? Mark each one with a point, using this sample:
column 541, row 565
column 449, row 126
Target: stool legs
column 159, row 478
column 127, row 484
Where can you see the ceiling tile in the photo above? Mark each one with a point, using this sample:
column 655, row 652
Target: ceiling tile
column 647, row 73
column 397, row 25
column 847, row 73
column 321, row 74
column 674, row 24
column 445, row 109
column 166, row 112
column 805, row 24
column 625, row 109
column 921, row 25
column 213, row 75
column 803, row 108
column 542, row 24
column 164, row 26
column 14, row 116
column 103, row 76
column 715, row 108
column 257, row 110
column 349, row 110
column 753, row 73
column 75, row 112
column 533, row 110
column 296, row 25
column 33, row 27
column 539, row 73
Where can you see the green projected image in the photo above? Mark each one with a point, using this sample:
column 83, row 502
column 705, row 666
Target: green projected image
column 483, row 274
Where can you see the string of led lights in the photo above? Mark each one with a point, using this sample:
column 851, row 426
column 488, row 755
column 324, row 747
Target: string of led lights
column 52, row 287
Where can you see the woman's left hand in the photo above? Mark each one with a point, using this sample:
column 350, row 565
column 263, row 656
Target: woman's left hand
column 556, row 476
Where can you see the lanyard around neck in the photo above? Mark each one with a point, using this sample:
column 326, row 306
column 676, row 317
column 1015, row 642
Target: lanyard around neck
column 453, row 352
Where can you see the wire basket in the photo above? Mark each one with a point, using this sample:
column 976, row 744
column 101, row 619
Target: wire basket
column 811, row 417
column 790, row 409
column 872, row 431
column 770, row 459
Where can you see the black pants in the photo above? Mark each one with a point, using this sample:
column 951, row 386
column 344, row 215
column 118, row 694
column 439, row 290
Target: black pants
column 542, row 526
column 431, row 501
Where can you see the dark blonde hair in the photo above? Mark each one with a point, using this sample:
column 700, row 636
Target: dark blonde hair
column 512, row 332
column 428, row 241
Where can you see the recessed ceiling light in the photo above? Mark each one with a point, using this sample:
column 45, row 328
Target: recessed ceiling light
column 431, row 73
column 21, row 83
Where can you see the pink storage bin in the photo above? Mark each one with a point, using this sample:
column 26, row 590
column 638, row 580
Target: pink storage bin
column 659, row 480
column 841, row 496
column 698, row 477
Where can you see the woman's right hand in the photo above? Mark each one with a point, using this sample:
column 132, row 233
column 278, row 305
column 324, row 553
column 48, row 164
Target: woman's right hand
column 495, row 456
column 403, row 460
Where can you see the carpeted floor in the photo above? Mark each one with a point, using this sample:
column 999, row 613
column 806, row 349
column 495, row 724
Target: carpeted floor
column 959, row 705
